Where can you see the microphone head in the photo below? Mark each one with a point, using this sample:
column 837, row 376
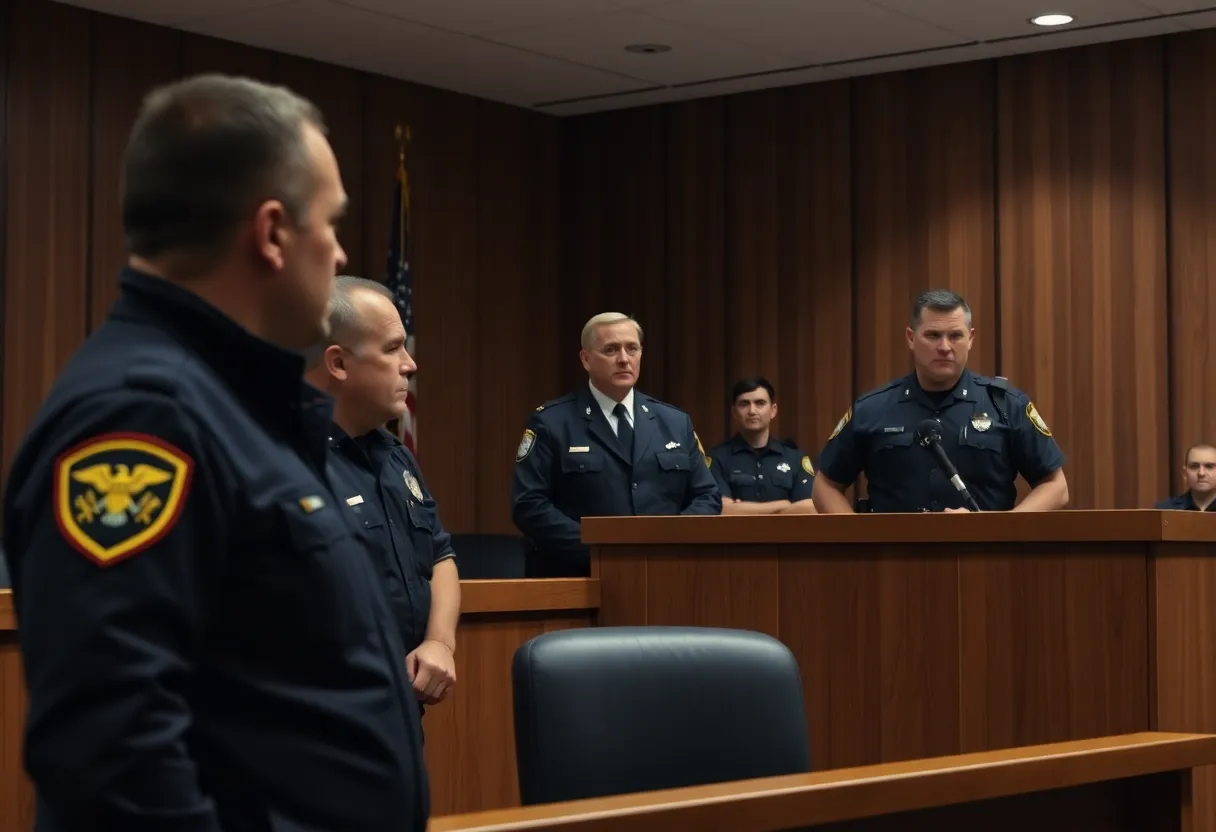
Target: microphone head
column 929, row 432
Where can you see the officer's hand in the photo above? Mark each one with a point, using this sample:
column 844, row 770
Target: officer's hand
column 432, row 669
column 957, row 510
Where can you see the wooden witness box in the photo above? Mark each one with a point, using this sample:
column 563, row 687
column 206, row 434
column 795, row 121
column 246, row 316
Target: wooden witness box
column 922, row 635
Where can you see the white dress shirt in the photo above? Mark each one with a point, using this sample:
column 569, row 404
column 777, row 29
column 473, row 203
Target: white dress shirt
column 606, row 404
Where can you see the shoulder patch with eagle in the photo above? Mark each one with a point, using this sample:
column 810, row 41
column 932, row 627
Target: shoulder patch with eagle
column 119, row 493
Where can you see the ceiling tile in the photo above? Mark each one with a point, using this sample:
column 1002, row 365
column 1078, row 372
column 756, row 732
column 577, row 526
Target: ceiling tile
column 1084, row 37
column 479, row 17
column 668, row 94
column 600, row 42
column 915, row 60
column 979, row 20
column 171, row 12
column 1202, row 20
column 820, row 32
column 1174, row 6
column 399, row 49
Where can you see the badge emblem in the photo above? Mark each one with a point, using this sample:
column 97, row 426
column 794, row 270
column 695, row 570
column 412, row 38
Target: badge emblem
column 525, row 445
column 119, row 493
column 708, row 462
column 981, row 421
column 1032, row 414
column 844, row 420
column 783, row 467
column 807, row 466
column 411, row 482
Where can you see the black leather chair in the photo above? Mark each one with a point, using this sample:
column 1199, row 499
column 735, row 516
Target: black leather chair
column 613, row 710
column 484, row 556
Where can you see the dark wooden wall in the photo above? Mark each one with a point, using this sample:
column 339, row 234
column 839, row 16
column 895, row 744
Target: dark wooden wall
column 485, row 224
column 782, row 232
column 1069, row 195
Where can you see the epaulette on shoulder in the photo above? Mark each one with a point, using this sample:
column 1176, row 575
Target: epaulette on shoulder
column 566, row 399
column 156, row 376
column 661, row 403
column 890, row 385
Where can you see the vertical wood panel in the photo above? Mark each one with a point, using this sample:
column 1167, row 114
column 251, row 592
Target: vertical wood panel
column 614, row 259
column 788, row 286
column 203, row 54
column 516, row 292
column 1083, row 262
column 695, row 265
column 924, row 207
column 129, row 60
column 47, row 261
column 1192, row 130
column 6, row 46
column 338, row 93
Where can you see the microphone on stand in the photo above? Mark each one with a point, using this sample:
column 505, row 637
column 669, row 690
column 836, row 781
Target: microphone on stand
column 929, row 436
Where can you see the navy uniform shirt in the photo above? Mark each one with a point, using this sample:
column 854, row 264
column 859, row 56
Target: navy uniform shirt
column 571, row 465
column 777, row 471
column 385, row 490
column 987, row 446
column 206, row 644
column 1183, row 502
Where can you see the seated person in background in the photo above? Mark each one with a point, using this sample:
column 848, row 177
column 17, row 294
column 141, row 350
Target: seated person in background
column 989, row 430
column 756, row 473
column 1199, row 476
column 604, row 450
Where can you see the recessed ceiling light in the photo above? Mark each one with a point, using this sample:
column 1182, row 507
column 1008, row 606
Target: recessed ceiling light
column 647, row 48
column 1054, row 19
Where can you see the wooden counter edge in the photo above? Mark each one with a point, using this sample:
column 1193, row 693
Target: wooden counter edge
column 513, row 595
column 8, row 618
column 776, row 803
column 529, row 595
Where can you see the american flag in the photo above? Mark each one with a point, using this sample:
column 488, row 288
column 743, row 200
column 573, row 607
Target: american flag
column 401, row 282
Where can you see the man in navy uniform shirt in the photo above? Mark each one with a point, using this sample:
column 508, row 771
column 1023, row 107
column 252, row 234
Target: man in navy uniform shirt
column 206, row 645
column 604, row 450
column 366, row 368
column 756, row 473
column 990, row 430
column 1199, row 475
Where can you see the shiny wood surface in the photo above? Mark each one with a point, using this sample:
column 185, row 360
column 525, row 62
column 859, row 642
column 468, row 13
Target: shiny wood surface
column 902, row 791
column 921, row 636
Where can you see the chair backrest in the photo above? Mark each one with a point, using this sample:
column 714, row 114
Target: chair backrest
column 614, row 710
column 485, row 556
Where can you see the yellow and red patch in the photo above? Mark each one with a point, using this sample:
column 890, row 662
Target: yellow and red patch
column 119, row 493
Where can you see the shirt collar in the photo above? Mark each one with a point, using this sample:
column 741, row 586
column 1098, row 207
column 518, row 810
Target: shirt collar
column 259, row 370
column 607, row 405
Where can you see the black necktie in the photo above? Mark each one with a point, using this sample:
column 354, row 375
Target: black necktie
column 624, row 430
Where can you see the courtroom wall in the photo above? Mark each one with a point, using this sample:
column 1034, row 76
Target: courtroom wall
column 1069, row 195
column 485, row 224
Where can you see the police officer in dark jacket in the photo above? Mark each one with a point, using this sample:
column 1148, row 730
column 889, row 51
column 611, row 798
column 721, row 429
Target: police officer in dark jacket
column 990, row 431
column 756, row 473
column 604, row 450
column 1199, row 474
column 206, row 644
column 366, row 368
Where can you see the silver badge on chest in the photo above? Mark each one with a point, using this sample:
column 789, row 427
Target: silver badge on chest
column 981, row 422
column 411, row 482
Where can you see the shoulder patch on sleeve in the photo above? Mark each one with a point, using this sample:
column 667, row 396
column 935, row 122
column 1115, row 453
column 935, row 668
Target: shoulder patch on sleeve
column 119, row 493
column 844, row 420
column 708, row 462
column 807, row 466
column 1032, row 414
column 525, row 445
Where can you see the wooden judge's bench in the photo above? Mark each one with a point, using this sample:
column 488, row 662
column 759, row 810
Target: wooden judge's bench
column 917, row 635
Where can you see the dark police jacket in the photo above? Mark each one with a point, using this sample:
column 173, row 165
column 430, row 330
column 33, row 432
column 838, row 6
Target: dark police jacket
column 206, row 643
column 1183, row 502
column 570, row 465
column 778, row 471
column 990, row 431
column 384, row 488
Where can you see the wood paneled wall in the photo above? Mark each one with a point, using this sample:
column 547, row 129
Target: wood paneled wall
column 781, row 232
column 1069, row 195
column 485, row 193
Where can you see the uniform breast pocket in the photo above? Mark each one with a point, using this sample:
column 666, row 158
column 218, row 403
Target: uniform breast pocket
column 783, row 480
column 673, row 474
column 738, row 479
column 586, row 463
column 424, row 518
column 890, row 459
column 982, row 453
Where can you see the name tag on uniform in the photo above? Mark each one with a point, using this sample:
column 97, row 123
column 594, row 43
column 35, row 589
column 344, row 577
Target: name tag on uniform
column 355, row 500
column 899, row 429
column 580, row 449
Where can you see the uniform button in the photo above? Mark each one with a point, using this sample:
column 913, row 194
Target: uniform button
column 635, row 486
